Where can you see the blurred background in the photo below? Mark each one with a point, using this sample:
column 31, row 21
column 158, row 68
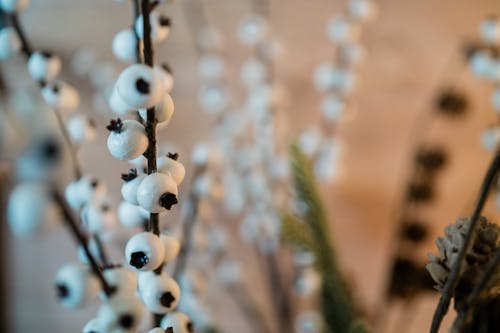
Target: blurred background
column 415, row 52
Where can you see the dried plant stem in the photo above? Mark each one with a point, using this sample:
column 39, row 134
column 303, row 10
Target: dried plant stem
column 25, row 46
column 136, row 14
column 280, row 296
column 81, row 240
column 453, row 278
column 77, row 171
column 472, row 300
column 187, row 228
column 151, row 121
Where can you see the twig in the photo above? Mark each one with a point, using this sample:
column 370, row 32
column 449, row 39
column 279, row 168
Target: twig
column 151, row 121
column 136, row 14
column 81, row 240
column 100, row 250
column 453, row 278
column 187, row 228
column 72, row 151
column 490, row 270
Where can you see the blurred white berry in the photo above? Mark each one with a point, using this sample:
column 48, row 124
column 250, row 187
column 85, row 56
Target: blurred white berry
column 213, row 97
column 253, row 72
column 210, row 39
column 139, row 86
column 490, row 30
column 75, row 286
column 81, row 129
column 332, row 107
column 363, row 10
column 120, row 313
column 131, row 215
column 211, row 66
column 160, row 26
column 61, row 96
column 163, row 111
column 10, row 44
column 179, row 322
column 310, row 141
column 252, row 29
column 118, row 105
column 82, row 191
column 97, row 216
column 14, row 6
column 44, row 66
column 121, row 279
column 172, row 247
column 490, row 138
column 164, row 73
column 30, row 209
column 125, row 45
column 341, row 30
column 161, row 294
column 308, row 322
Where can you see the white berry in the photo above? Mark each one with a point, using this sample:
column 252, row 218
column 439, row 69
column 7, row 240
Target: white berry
column 172, row 247
column 157, row 192
column 30, row 209
column 61, row 96
column 93, row 326
column 44, row 66
column 97, row 217
column 13, row 6
column 131, row 215
column 118, row 105
column 179, row 322
column 121, row 279
column 252, row 29
column 131, row 183
column 161, row 294
column 125, row 45
column 82, row 191
column 144, row 251
column 160, row 26
column 169, row 165
column 120, row 313
column 75, row 286
column 10, row 44
column 81, row 129
column 139, row 86
column 163, row 110
column 127, row 140
column 165, row 75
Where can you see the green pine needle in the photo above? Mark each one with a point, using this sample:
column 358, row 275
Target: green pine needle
column 313, row 234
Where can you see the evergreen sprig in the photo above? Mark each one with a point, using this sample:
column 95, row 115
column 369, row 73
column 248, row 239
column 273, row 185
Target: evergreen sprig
column 313, row 234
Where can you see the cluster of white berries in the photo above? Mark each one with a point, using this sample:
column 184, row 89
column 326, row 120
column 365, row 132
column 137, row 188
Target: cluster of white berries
column 336, row 82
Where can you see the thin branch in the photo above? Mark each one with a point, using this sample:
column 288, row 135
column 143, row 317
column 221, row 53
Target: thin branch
column 151, row 121
column 472, row 300
column 187, row 228
column 81, row 240
column 72, row 151
column 453, row 278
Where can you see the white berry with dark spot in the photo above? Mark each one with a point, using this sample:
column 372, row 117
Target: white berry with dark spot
column 61, row 96
column 127, row 140
column 179, row 322
column 75, row 286
column 161, row 294
column 144, row 251
column 157, row 192
column 139, row 86
column 170, row 165
column 44, row 66
column 120, row 313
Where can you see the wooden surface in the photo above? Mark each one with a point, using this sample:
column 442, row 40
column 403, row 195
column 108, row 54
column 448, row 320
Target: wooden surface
column 413, row 51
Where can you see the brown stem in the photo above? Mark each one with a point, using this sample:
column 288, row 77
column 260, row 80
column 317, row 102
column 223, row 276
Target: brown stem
column 25, row 45
column 72, row 151
column 453, row 278
column 187, row 228
column 472, row 300
column 81, row 240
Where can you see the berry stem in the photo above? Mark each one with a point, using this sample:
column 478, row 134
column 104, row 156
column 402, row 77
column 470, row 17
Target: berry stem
column 451, row 283
column 81, row 240
column 25, row 45
column 151, row 121
column 77, row 171
column 187, row 228
column 137, row 13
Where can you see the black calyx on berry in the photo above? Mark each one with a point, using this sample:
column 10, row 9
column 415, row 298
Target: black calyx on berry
column 169, row 329
column 167, row 299
column 139, row 259
column 62, row 291
column 166, row 68
column 142, row 86
column 173, row 156
column 167, row 200
column 165, row 21
column 190, row 327
column 115, row 125
column 126, row 321
column 131, row 175
column 452, row 103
